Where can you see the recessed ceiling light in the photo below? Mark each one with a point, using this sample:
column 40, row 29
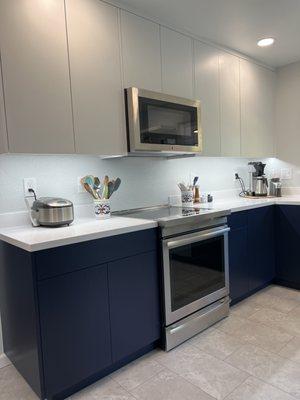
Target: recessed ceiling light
column 265, row 42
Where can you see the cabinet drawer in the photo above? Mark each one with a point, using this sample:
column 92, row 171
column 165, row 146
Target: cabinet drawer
column 64, row 259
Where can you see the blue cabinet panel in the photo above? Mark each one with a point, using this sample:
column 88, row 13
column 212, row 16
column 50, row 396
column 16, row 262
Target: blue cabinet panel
column 251, row 251
column 75, row 331
column 134, row 303
column 288, row 245
column 70, row 258
column 261, row 246
column 20, row 323
column 238, row 263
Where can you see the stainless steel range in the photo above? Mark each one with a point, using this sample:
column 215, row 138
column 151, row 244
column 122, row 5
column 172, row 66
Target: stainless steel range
column 194, row 254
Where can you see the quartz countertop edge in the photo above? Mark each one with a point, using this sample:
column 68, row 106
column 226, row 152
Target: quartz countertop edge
column 83, row 230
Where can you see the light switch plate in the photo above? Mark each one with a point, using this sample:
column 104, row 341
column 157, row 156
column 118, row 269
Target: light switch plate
column 286, row 173
column 29, row 183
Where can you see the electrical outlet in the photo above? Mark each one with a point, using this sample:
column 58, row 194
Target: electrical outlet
column 286, row 173
column 29, row 183
column 80, row 188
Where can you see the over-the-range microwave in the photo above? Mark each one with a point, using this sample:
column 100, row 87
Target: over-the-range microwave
column 161, row 124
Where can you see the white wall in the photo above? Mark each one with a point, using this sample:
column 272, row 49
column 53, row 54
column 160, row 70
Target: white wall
column 288, row 113
column 145, row 181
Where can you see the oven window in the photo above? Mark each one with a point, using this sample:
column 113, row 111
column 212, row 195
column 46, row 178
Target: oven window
column 167, row 123
column 196, row 270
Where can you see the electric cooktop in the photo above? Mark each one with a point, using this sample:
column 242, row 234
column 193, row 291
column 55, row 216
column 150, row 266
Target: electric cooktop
column 168, row 214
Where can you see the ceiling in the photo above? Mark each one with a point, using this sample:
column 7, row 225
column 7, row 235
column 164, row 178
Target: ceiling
column 236, row 24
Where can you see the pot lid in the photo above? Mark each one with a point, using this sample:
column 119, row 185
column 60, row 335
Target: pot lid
column 51, row 202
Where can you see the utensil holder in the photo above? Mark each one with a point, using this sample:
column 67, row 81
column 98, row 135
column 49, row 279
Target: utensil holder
column 102, row 208
column 187, row 198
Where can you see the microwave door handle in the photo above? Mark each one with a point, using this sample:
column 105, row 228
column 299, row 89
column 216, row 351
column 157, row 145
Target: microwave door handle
column 196, row 238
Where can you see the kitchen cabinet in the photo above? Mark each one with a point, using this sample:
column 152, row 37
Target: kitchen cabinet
column 3, row 131
column 230, row 116
column 75, row 331
column 261, row 247
column 75, row 313
column 238, row 259
column 287, row 245
column 134, row 303
column 141, row 52
column 36, row 76
column 95, row 68
column 177, row 64
column 257, row 110
column 251, row 251
column 207, row 91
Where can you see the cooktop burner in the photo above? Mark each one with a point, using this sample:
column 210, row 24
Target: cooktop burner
column 161, row 213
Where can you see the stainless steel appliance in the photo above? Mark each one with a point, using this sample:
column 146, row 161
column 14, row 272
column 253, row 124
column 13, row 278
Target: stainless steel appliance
column 51, row 211
column 275, row 187
column 161, row 124
column 194, row 247
column 258, row 181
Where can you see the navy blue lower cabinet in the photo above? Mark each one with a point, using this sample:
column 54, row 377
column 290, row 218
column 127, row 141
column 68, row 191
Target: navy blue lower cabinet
column 261, row 247
column 74, row 314
column 134, row 304
column 251, row 251
column 288, row 245
column 75, row 331
column 238, row 258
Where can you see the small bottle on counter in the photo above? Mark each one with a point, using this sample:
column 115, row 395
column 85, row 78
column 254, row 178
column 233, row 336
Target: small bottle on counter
column 196, row 194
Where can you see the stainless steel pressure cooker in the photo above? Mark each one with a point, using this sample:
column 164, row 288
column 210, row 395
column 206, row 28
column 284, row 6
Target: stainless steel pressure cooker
column 51, row 211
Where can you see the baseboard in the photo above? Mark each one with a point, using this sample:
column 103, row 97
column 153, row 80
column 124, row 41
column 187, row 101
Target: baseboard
column 4, row 361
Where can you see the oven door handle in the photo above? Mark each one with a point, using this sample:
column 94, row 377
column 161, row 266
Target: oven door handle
column 196, row 238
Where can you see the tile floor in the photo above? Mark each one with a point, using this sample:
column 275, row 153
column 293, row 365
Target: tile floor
column 254, row 354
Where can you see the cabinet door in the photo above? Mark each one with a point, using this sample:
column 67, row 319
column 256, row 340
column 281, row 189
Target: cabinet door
column 261, row 246
column 257, row 110
column 238, row 264
column 207, row 91
column 287, row 245
column 134, row 303
column 36, row 76
column 177, row 64
column 238, row 255
column 3, row 131
column 97, row 95
column 75, row 333
column 141, row 52
column 230, row 121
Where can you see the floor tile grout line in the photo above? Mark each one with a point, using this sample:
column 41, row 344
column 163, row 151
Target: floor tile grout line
column 264, row 381
column 191, row 383
column 140, row 384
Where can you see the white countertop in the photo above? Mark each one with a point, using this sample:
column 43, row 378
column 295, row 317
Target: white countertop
column 84, row 229
column 41, row 238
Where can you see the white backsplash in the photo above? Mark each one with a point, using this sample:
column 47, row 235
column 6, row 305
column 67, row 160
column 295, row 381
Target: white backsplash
column 145, row 181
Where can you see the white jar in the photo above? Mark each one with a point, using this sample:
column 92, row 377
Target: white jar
column 102, row 208
column 187, row 198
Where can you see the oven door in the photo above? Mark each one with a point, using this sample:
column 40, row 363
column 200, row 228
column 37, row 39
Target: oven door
column 160, row 122
column 195, row 268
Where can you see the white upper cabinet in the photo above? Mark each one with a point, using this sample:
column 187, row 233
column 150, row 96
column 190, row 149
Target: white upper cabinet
column 207, row 91
column 257, row 110
column 230, row 115
column 3, row 132
column 177, row 64
column 95, row 66
column 140, row 52
column 36, row 76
